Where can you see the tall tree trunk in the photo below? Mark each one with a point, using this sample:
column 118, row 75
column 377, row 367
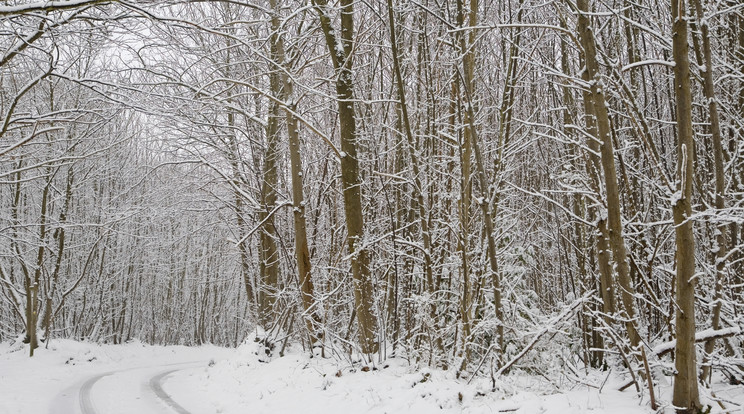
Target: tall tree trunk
column 302, row 252
column 237, row 184
column 467, row 57
column 410, row 146
column 15, row 220
column 685, row 398
column 737, row 24
column 715, row 128
column 269, row 265
column 33, row 288
column 238, row 207
column 593, row 167
column 59, row 235
column 579, row 210
column 614, row 220
column 340, row 50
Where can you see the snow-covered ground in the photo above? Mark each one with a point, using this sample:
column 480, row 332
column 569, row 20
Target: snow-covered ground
column 298, row 384
column 118, row 376
column 72, row 377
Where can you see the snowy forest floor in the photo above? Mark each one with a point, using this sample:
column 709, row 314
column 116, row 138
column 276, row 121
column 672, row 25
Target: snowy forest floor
column 208, row 379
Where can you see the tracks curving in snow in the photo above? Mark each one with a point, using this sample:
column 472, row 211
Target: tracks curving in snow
column 156, row 385
column 150, row 379
column 86, row 403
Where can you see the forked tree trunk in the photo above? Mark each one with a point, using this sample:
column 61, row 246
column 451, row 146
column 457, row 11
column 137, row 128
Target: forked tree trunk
column 579, row 209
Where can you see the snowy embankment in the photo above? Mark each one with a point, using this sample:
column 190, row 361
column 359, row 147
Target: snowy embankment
column 206, row 380
column 251, row 382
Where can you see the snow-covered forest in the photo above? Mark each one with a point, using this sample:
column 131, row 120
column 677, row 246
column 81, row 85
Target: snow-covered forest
column 482, row 188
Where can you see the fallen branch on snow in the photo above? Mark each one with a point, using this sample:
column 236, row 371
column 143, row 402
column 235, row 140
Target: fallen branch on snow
column 701, row 336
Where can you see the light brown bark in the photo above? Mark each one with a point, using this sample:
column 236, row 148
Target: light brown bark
column 593, row 169
column 614, row 218
column 269, row 265
column 302, row 252
column 685, row 398
column 715, row 131
column 340, row 50
column 594, row 357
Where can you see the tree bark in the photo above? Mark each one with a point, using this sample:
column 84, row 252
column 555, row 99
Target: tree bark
column 467, row 56
column 269, row 266
column 614, row 218
column 32, row 287
column 715, row 129
column 59, row 234
column 311, row 315
column 685, row 398
column 340, row 50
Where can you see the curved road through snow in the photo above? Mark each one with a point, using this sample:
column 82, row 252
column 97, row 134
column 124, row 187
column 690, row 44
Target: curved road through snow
column 128, row 390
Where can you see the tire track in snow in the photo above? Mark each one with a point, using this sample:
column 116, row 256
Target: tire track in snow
column 155, row 385
column 86, row 402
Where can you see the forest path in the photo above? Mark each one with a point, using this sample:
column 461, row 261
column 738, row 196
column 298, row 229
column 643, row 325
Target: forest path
column 129, row 390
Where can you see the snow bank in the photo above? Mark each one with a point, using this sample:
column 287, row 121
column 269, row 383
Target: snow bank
column 252, row 382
